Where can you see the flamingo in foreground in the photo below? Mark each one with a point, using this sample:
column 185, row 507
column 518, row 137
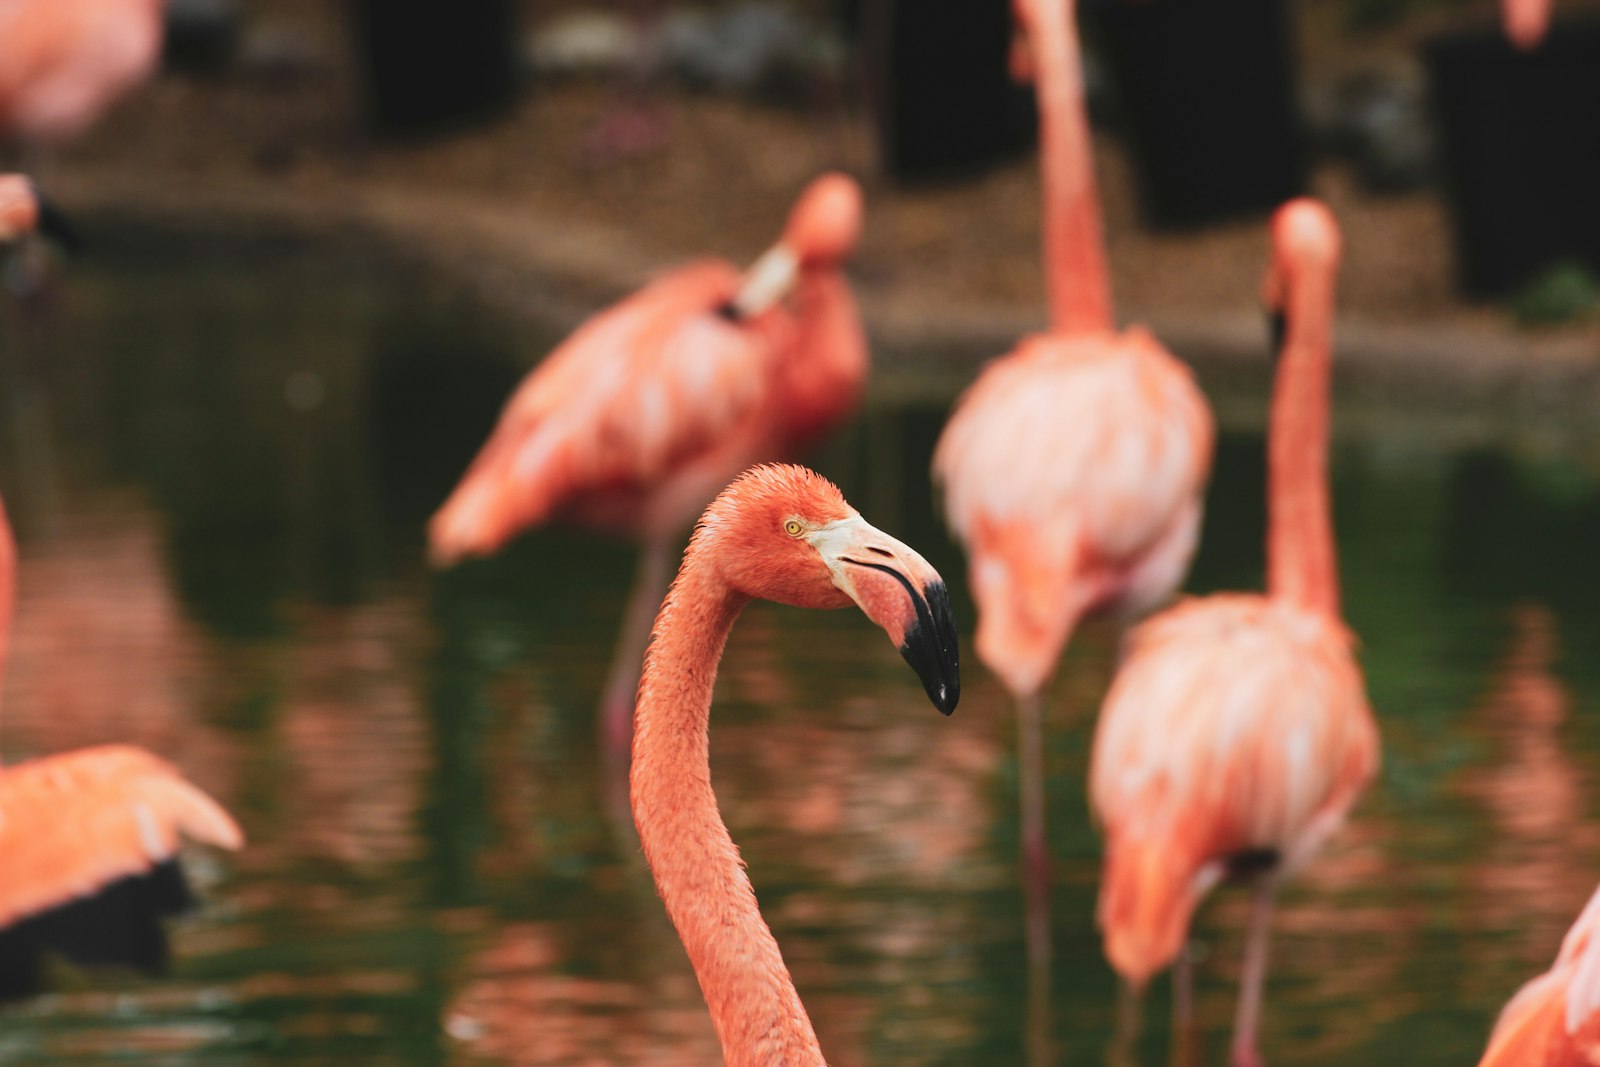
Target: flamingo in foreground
column 780, row 533
column 1554, row 1020
column 1237, row 734
column 1073, row 468
column 90, row 841
column 639, row 417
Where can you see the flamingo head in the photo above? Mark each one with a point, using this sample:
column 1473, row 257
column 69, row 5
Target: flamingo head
column 1305, row 242
column 785, row 533
column 23, row 210
column 822, row 231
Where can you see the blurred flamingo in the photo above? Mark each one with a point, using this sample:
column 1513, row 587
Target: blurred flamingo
column 636, row 420
column 786, row 534
column 90, row 840
column 1073, row 467
column 1237, row 734
column 1554, row 1020
column 65, row 61
column 1525, row 22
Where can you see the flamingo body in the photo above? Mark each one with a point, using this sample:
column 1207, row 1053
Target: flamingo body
column 75, row 823
column 1073, row 469
column 635, row 421
column 1554, row 1020
column 77, row 826
column 65, row 61
column 1237, row 732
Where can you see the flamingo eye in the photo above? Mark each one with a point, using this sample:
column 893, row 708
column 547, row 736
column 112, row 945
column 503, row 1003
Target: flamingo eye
column 794, row 528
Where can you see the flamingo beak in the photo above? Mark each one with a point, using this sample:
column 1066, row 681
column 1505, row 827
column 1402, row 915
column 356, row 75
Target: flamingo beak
column 57, row 227
column 768, row 281
column 897, row 589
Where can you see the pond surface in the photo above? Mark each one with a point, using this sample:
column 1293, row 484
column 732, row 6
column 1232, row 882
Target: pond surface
column 219, row 471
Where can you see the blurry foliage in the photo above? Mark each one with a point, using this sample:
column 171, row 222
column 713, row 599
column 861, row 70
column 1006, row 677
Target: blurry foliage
column 1567, row 290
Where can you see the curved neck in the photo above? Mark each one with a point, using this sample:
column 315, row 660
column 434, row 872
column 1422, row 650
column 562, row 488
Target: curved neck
column 1074, row 248
column 754, row 1006
column 1301, row 565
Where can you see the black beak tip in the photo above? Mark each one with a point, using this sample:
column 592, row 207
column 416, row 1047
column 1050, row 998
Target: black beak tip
column 932, row 650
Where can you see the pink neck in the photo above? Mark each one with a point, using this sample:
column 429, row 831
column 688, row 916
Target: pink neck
column 1301, row 565
column 754, row 1006
column 1074, row 248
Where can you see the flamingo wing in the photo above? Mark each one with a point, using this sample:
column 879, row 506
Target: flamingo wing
column 73, row 824
column 1554, row 1020
column 640, row 390
column 1236, row 731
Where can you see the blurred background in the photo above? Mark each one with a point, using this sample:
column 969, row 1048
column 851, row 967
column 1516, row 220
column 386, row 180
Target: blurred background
column 327, row 240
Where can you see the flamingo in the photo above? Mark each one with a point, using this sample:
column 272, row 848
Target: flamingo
column 90, row 840
column 1073, row 468
column 1236, row 735
column 636, row 420
column 780, row 533
column 65, row 61
column 1525, row 22
column 1554, row 1020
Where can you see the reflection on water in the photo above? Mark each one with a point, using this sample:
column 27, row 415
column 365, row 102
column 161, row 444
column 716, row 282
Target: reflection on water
column 220, row 506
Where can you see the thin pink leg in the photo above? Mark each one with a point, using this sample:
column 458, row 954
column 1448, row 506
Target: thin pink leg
column 1035, row 876
column 1185, row 1039
column 1123, row 1051
column 1246, row 1052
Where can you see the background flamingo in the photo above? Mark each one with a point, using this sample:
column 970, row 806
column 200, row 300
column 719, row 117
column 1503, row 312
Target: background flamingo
column 786, row 534
column 90, row 840
column 638, row 418
column 1073, row 467
column 65, row 61
column 1237, row 733
column 1554, row 1020
column 1525, row 22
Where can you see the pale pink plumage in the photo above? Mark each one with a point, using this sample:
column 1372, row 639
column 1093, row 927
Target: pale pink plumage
column 1554, row 1020
column 1237, row 734
column 63, row 62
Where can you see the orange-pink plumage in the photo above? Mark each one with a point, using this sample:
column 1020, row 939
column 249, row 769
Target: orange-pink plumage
column 1554, row 1020
column 636, row 420
column 780, row 533
column 63, row 62
column 74, row 824
column 1237, row 734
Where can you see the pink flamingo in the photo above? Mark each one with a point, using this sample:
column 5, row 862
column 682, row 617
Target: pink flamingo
column 1525, row 22
column 1236, row 734
column 91, row 830
column 1073, row 468
column 1554, row 1020
column 786, row 534
column 65, row 61
column 651, row 406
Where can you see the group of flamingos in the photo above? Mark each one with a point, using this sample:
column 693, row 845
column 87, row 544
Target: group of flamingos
column 1235, row 736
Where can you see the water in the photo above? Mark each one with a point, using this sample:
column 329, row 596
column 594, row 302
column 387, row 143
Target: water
column 219, row 478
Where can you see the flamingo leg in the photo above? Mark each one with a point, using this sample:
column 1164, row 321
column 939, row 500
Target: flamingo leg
column 1035, row 875
column 1245, row 1052
column 622, row 682
column 1125, row 1031
column 1185, row 1046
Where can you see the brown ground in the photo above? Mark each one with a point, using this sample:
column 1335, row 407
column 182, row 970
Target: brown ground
column 950, row 270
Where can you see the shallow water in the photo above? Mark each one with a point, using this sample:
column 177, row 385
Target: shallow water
column 219, row 469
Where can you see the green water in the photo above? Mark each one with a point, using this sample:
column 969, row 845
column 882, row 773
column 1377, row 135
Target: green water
column 219, row 470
